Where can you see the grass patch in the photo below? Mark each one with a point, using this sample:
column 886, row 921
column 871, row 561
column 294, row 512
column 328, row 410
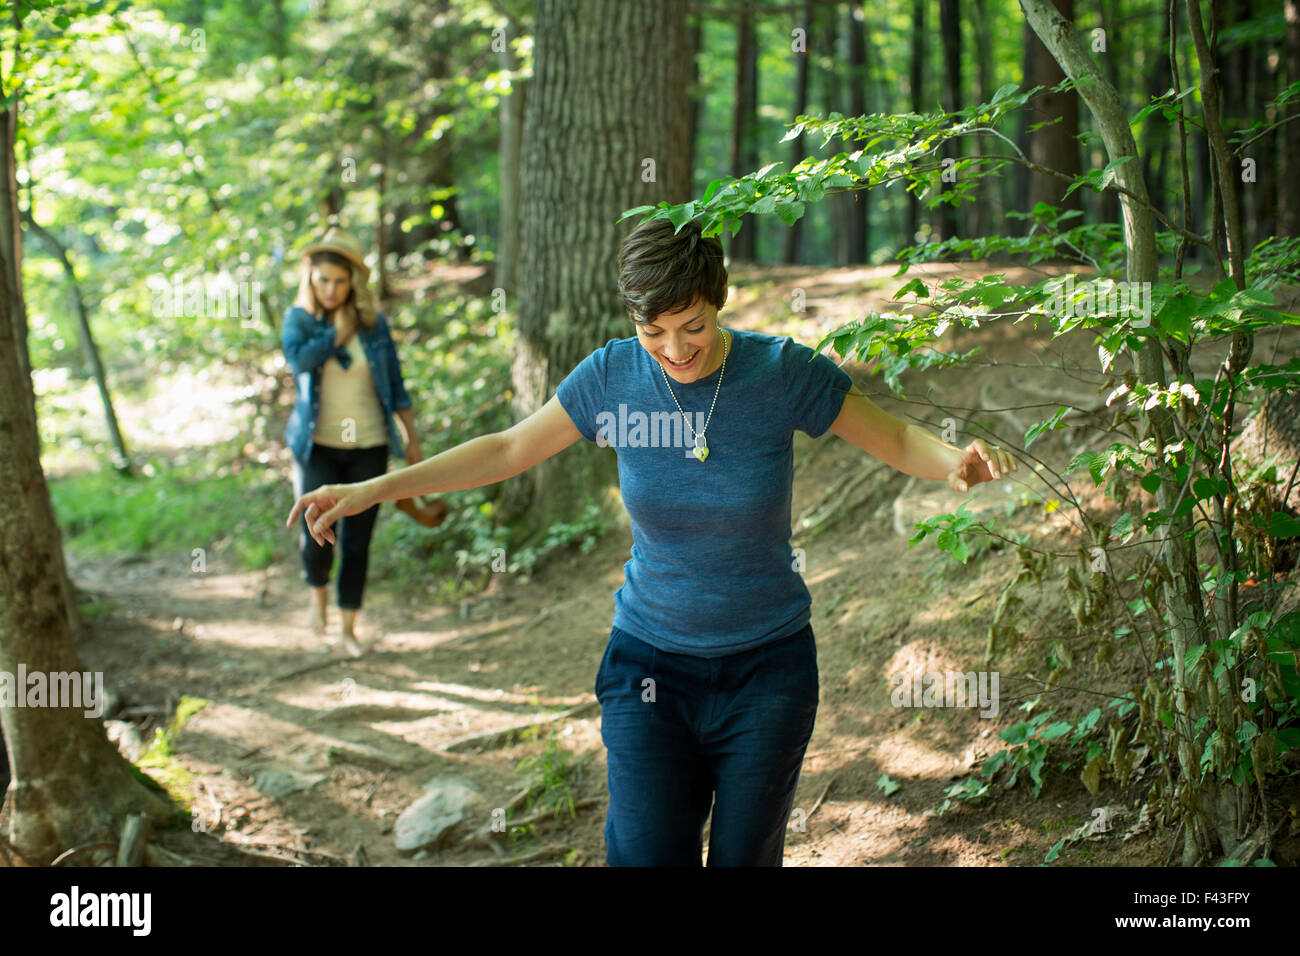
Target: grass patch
column 176, row 508
column 171, row 774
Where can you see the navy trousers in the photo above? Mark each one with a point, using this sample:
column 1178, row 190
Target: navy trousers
column 683, row 734
column 335, row 466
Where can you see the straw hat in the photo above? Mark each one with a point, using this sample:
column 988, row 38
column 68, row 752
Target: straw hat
column 345, row 244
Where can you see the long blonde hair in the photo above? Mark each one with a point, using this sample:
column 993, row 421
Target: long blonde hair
column 360, row 303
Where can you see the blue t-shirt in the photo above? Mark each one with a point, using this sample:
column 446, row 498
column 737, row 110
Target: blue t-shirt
column 711, row 571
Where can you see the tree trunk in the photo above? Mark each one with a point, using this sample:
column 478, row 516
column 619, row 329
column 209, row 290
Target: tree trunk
column 950, row 30
column 70, row 785
column 838, row 204
column 121, row 461
column 792, row 243
column 1288, row 223
column 986, row 196
column 694, row 94
column 744, row 129
column 1055, row 146
column 1182, row 595
column 381, row 231
column 858, row 207
column 511, row 149
column 916, row 82
column 606, row 129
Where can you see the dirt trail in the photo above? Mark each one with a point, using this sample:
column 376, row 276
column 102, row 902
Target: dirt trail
column 369, row 733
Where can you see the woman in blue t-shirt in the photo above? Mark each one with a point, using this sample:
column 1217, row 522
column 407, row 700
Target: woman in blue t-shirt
column 349, row 390
column 708, row 685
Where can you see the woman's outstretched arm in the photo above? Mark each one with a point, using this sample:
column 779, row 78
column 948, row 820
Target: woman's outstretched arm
column 480, row 461
column 915, row 451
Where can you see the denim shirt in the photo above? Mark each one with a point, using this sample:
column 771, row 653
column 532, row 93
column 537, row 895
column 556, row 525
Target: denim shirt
column 308, row 344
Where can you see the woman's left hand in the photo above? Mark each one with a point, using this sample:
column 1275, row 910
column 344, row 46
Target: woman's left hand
column 980, row 463
column 413, row 453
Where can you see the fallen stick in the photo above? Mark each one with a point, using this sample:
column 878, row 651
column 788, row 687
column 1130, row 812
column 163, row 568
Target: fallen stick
column 543, row 853
column 155, row 855
column 302, row 669
column 818, row 802
column 552, row 812
column 578, row 599
column 135, row 832
column 272, row 852
column 370, row 790
column 69, row 854
column 504, row 738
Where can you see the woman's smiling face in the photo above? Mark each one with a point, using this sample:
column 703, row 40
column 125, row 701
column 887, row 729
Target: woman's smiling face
column 331, row 283
column 690, row 336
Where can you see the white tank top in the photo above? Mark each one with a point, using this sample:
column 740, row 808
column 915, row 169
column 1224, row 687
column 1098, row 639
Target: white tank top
column 350, row 413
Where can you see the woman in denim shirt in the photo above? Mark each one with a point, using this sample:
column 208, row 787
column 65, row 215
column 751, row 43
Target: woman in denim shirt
column 349, row 390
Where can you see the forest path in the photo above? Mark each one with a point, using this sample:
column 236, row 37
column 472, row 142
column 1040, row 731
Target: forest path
column 361, row 737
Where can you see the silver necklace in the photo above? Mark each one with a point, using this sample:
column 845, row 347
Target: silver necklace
column 701, row 449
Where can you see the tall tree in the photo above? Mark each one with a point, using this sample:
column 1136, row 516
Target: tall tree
column 69, row 784
column 916, row 85
column 511, row 152
column 950, row 31
column 1288, row 178
column 1054, row 146
column 744, row 128
column 792, row 242
column 858, row 211
column 606, row 129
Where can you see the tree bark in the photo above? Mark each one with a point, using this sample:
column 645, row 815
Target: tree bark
column 1182, row 595
column 792, row 243
column 511, row 149
column 1288, row 178
column 608, row 94
column 950, row 30
column 70, row 785
column 858, row 209
column 1055, row 146
column 916, row 83
column 121, row 461
column 744, row 129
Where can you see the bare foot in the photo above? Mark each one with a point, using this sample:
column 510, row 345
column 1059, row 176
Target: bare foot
column 351, row 645
column 316, row 621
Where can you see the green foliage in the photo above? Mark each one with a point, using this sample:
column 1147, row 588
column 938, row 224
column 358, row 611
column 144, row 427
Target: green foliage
column 174, row 508
column 175, row 778
column 552, row 776
column 1237, row 732
column 1027, row 751
column 948, row 530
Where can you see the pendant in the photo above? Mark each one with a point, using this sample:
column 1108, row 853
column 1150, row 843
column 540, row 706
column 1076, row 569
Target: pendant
column 701, row 450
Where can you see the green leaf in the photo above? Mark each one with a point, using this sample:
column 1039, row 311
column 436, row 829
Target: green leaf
column 1051, row 424
column 1055, row 851
column 1282, row 526
column 917, row 287
column 1151, row 482
column 1004, row 92
column 888, row 784
column 1052, row 731
column 681, row 215
column 790, row 212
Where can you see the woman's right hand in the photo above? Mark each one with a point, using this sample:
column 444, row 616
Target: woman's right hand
column 346, row 326
column 322, row 507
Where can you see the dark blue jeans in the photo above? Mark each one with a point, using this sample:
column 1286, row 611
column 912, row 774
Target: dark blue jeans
column 334, row 466
column 682, row 733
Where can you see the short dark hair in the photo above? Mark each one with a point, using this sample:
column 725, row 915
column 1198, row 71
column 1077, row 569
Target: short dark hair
column 661, row 271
